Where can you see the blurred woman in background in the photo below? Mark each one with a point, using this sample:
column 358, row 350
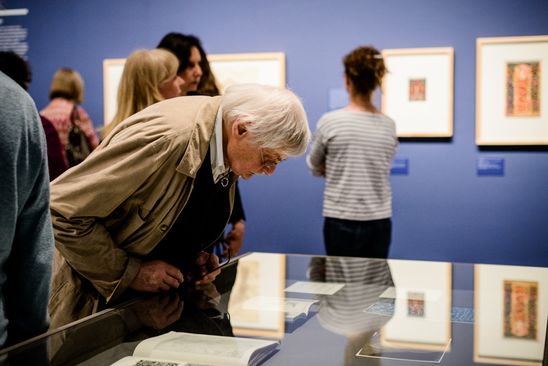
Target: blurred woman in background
column 189, row 52
column 149, row 76
column 66, row 94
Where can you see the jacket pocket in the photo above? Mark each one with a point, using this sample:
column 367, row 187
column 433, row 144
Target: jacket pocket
column 69, row 300
column 128, row 226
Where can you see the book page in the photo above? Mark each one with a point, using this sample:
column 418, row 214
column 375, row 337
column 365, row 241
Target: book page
column 318, row 288
column 145, row 361
column 203, row 349
column 297, row 307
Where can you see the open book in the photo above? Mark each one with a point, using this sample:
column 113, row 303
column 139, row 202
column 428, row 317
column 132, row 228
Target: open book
column 188, row 349
column 297, row 308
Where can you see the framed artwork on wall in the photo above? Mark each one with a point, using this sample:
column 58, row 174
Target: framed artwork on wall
column 112, row 73
column 510, row 307
column 417, row 91
column 259, row 68
column 512, row 91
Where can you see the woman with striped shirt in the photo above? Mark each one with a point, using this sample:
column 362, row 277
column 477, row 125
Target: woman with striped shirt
column 353, row 149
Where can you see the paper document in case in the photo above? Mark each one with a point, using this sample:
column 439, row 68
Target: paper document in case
column 318, row 288
column 374, row 348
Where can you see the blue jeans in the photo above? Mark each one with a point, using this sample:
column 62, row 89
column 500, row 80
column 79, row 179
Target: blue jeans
column 350, row 238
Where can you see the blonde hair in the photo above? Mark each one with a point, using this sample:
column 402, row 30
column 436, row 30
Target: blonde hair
column 144, row 72
column 68, row 84
column 276, row 117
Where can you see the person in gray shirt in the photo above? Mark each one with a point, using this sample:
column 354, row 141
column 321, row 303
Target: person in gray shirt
column 26, row 234
column 353, row 149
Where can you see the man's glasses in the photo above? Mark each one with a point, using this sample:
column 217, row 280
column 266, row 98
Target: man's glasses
column 269, row 161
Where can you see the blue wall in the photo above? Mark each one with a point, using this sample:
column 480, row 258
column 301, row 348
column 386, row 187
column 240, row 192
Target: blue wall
column 442, row 209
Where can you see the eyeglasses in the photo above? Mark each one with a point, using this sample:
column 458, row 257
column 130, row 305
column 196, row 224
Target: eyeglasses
column 203, row 265
column 269, row 162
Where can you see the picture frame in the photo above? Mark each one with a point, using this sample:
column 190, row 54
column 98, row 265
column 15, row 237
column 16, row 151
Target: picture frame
column 260, row 68
column 260, row 276
column 510, row 307
column 417, row 91
column 422, row 300
column 512, row 90
column 112, row 73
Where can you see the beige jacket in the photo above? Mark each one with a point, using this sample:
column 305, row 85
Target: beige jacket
column 116, row 206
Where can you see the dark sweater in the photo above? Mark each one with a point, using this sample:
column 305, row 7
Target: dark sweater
column 200, row 224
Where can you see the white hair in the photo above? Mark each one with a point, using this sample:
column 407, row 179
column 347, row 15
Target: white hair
column 275, row 116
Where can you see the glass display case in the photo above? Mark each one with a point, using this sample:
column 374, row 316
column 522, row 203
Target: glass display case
column 326, row 311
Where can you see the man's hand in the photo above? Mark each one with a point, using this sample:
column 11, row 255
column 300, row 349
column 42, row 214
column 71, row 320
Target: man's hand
column 155, row 276
column 205, row 295
column 235, row 238
column 160, row 311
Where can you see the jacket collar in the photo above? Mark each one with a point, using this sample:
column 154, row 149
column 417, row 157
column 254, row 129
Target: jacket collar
column 200, row 137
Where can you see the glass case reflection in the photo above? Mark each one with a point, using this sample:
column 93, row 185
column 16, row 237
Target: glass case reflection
column 511, row 304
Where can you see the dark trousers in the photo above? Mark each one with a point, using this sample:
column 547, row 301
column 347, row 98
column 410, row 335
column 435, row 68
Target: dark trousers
column 350, row 238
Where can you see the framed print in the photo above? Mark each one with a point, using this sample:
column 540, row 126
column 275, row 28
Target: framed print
column 112, row 73
column 511, row 307
column 512, row 90
column 258, row 68
column 417, row 91
column 422, row 300
column 260, row 276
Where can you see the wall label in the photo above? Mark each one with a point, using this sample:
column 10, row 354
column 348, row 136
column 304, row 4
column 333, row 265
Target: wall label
column 400, row 166
column 490, row 167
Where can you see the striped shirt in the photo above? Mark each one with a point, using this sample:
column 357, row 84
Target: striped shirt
column 364, row 281
column 354, row 151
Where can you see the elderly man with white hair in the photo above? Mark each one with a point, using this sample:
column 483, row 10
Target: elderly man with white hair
column 140, row 213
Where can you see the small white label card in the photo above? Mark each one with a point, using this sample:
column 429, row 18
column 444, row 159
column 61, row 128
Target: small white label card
column 318, row 288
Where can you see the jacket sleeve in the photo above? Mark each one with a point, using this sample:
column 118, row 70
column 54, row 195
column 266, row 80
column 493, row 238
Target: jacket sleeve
column 83, row 197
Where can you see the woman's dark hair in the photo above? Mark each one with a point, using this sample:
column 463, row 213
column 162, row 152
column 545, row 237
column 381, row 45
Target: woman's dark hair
column 208, row 84
column 181, row 45
column 16, row 68
column 365, row 68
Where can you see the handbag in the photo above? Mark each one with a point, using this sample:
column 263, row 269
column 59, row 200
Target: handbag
column 77, row 148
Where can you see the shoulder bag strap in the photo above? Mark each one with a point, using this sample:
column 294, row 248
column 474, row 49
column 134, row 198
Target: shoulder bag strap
column 74, row 115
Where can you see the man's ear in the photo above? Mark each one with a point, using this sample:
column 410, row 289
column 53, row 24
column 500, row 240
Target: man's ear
column 239, row 128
